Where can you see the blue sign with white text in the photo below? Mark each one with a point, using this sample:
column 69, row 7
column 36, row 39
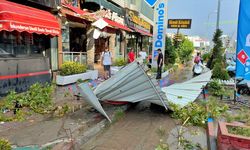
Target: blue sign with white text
column 151, row 3
column 243, row 41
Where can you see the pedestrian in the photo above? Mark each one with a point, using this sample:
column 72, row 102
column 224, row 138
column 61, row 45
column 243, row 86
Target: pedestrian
column 143, row 55
column 159, row 64
column 131, row 56
column 106, row 60
column 197, row 58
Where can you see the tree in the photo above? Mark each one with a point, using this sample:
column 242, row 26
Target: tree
column 217, row 49
column 170, row 53
column 185, row 50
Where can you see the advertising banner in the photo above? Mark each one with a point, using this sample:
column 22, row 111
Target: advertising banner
column 160, row 26
column 243, row 41
column 179, row 23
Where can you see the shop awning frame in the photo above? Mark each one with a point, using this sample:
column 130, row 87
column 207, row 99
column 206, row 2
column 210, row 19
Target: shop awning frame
column 22, row 18
column 117, row 25
column 74, row 9
column 143, row 32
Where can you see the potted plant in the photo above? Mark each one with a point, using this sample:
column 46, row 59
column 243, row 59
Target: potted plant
column 118, row 64
column 233, row 136
column 72, row 71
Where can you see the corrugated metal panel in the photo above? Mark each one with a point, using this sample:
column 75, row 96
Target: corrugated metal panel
column 131, row 84
column 90, row 97
column 187, row 92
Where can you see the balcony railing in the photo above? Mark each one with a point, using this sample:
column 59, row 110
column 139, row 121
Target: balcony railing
column 80, row 57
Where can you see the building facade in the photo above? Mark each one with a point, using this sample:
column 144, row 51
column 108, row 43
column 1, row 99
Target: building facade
column 66, row 30
column 28, row 43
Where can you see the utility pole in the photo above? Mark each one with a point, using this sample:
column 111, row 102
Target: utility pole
column 218, row 15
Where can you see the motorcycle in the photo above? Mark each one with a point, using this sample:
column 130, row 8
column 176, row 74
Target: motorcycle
column 243, row 87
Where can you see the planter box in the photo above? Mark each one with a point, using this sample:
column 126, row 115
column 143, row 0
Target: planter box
column 227, row 141
column 64, row 80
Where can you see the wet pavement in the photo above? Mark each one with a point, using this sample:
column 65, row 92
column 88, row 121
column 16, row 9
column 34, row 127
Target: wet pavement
column 139, row 129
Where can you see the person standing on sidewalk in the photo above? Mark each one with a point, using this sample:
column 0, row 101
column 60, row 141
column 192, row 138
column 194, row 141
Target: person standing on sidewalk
column 106, row 60
column 131, row 56
column 143, row 55
column 159, row 64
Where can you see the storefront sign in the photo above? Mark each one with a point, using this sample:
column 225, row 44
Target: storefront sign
column 243, row 42
column 159, row 34
column 134, row 21
column 110, row 15
column 33, row 29
column 179, row 23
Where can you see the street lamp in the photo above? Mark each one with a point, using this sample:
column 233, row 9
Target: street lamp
column 218, row 15
column 208, row 17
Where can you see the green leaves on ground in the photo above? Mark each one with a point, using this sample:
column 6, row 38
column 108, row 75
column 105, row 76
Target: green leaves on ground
column 239, row 131
column 197, row 112
column 4, row 144
column 38, row 98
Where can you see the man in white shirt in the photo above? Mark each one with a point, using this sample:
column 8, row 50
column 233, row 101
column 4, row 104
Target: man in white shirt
column 106, row 60
column 143, row 55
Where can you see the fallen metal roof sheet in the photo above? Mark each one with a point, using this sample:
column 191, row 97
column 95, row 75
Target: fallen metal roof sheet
column 131, row 84
column 90, row 97
column 186, row 92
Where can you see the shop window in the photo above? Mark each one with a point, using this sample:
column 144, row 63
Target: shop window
column 16, row 44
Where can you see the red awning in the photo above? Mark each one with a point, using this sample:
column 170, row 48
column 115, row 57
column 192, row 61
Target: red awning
column 22, row 18
column 143, row 32
column 74, row 9
column 116, row 25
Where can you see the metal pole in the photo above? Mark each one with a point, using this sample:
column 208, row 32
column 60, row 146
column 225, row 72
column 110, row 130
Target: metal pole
column 152, row 84
column 218, row 15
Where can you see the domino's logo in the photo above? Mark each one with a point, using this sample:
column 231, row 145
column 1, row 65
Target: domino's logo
column 151, row 3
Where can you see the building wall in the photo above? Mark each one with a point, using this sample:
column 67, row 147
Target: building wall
column 141, row 6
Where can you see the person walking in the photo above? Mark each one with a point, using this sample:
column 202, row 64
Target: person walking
column 159, row 64
column 197, row 58
column 143, row 55
column 106, row 60
column 131, row 55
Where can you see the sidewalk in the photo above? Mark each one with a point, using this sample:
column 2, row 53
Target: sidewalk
column 40, row 130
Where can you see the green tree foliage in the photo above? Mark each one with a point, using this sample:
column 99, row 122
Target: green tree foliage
column 170, row 53
column 219, row 72
column 120, row 62
column 185, row 50
column 70, row 68
column 215, row 88
column 206, row 57
column 217, row 50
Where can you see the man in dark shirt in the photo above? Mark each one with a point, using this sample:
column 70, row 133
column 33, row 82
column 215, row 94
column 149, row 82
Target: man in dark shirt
column 159, row 64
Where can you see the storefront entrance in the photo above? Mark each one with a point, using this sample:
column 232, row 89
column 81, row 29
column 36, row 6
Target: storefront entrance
column 100, row 45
